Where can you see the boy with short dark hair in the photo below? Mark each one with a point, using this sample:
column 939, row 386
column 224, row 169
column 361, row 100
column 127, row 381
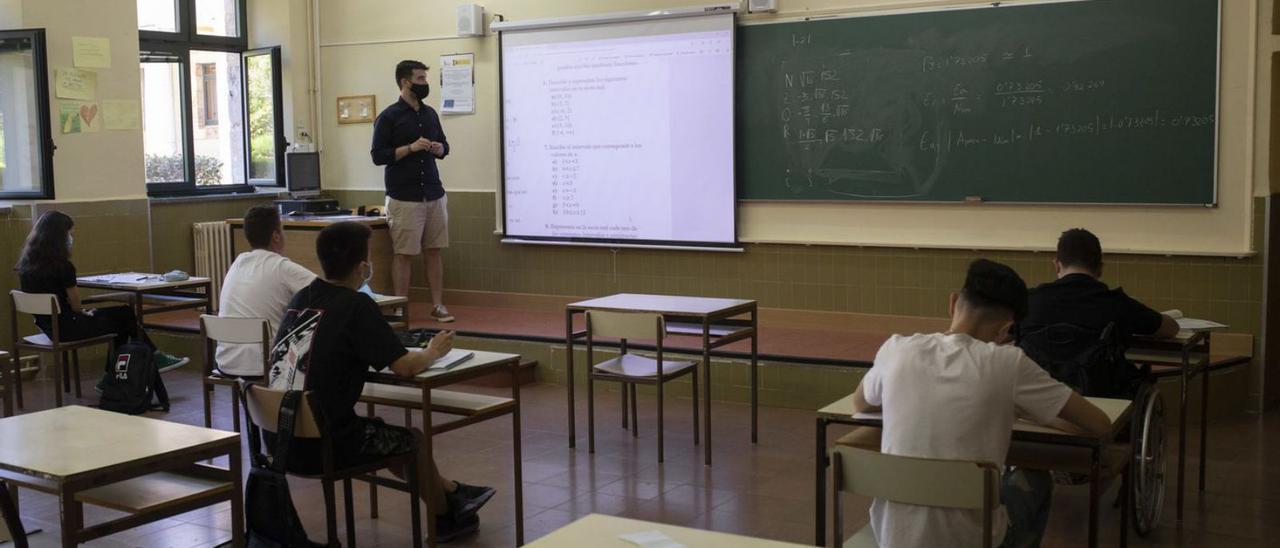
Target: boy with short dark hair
column 955, row 395
column 330, row 337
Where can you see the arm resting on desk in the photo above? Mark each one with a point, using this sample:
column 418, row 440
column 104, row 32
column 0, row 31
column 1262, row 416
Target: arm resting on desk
column 1168, row 327
column 1079, row 415
column 413, row 363
column 860, row 404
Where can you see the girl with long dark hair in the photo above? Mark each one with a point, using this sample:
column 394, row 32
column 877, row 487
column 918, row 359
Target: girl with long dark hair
column 45, row 267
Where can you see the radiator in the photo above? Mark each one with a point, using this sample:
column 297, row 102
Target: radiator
column 213, row 253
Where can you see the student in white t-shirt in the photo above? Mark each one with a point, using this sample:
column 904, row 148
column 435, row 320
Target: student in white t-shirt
column 259, row 284
column 955, row 395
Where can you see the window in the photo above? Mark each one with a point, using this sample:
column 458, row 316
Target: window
column 26, row 145
column 207, row 87
column 209, row 126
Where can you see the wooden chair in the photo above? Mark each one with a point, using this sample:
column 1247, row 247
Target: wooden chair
column 963, row 485
column 630, row 369
column 47, row 304
column 6, row 383
column 262, row 413
column 214, row 330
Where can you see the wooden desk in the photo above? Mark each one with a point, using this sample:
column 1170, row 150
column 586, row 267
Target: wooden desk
column 714, row 319
column 602, row 531
column 1190, row 352
column 300, row 243
column 84, row 455
column 395, row 310
column 1118, row 411
column 419, row 396
column 148, row 293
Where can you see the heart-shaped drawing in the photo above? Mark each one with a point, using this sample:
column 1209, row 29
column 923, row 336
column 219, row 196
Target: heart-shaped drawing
column 88, row 113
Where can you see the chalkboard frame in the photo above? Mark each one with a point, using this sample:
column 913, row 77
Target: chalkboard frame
column 1009, row 4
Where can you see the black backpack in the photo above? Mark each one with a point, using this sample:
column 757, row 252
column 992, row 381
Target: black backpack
column 268, row 506
column 132, row 382
column 1090, row 362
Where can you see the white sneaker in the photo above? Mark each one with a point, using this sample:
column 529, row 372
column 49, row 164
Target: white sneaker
column 441, row 314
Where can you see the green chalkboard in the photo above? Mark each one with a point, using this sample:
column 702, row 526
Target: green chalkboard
column 1093, row 101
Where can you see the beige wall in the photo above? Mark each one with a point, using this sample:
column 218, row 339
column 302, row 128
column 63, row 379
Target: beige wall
column 359, row 45
column 108, row 164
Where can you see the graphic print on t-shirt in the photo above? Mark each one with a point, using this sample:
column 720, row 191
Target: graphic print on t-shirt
column 291, row 356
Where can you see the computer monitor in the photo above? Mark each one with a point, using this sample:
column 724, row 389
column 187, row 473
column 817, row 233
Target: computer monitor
column 302, row 173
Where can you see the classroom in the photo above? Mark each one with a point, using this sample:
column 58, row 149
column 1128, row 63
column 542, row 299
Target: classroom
column 744, row 273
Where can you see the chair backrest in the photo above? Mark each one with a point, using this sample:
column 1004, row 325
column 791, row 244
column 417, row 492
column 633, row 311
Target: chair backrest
column 964, row 485
column 263, row 406
column 235, row 330
column 45, row 304
column 625, row 325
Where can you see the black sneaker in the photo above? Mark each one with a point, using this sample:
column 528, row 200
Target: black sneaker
column 450, row 528
column 466, row 500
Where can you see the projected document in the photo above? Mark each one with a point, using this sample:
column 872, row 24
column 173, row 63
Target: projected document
column 620, row 132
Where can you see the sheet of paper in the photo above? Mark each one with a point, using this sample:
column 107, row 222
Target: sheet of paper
column 1193, row 324
column 457, row 84
column 91, row 52
column 650, row 539
column 118, row 114
column 70, row 83
column 130, row 278
column 454, row 357
column 79, row 117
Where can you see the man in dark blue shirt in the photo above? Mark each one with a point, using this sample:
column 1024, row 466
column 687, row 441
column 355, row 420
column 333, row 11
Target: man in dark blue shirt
column 408, row 139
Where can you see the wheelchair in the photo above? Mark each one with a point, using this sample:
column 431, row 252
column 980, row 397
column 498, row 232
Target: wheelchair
column 1094, row 364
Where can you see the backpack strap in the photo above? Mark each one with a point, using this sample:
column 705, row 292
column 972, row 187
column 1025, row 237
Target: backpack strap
column 284, row 430
column 161, row 393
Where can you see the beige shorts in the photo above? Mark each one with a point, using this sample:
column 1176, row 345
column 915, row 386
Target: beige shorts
column 416, row 226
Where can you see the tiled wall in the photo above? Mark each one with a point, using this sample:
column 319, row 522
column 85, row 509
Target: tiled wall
column 895, row 281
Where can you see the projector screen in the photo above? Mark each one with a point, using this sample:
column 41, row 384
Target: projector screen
column 620, row 132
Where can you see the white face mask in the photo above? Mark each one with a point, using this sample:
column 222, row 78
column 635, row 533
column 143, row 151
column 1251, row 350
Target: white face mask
column 70, row 240
column 369, row 276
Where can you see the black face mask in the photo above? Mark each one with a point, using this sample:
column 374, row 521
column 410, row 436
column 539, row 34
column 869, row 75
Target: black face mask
column 420, row 90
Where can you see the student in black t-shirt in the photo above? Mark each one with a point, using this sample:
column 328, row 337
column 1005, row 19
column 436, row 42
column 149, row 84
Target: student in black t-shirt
column 330, row 336
column 1079, row 298
column 45, row 267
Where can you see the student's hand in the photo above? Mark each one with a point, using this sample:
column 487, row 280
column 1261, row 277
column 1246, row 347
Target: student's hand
column 440, row 344
column 437, row 148
column 421, row 144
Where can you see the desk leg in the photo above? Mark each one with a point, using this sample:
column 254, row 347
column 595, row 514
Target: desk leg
column 820, row 486
column 427, row 446
column 72, row 518
column 1095, row 486
column 1182, row 431
column 1204, row 412
column 237, row 498
column 568, row 364
column 1126, row 493
column 706, row 387
column 517, row 459
column 755, row 387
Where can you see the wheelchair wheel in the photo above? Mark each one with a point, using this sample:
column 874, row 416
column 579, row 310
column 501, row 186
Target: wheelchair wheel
column 1148, row 466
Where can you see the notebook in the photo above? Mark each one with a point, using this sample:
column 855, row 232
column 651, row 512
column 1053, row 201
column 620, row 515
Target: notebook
column 453, row 358
column 1193, row 324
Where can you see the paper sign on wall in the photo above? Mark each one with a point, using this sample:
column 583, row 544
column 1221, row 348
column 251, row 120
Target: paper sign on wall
column 72, row 83
column 121, row 114
column 91, row 52
column 79, row 117
column 457, row 84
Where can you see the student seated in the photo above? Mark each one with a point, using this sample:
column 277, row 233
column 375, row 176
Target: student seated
column 1078, row 298
column 330, row 336
column 45, row 267
column 259, row 284
column 955, row 395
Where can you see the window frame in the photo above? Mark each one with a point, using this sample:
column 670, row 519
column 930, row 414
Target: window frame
column 155, row 46
column 44, row 128
column 277, row 104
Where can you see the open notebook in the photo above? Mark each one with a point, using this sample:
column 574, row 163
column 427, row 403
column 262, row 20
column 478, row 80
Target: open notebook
column 454, row 357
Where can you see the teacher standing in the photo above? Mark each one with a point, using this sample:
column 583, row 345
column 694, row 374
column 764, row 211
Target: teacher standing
column 408, row 139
